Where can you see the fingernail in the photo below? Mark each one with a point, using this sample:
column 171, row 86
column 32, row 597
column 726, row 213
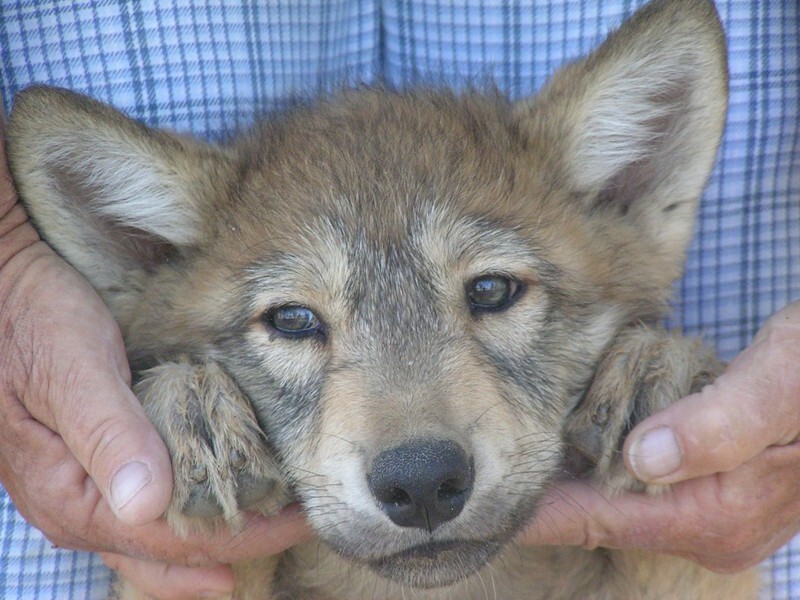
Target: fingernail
column 127, row 483
column 656, row 454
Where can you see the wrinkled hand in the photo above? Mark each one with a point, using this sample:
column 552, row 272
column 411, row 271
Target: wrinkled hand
column 78, row 456
column 732, row 455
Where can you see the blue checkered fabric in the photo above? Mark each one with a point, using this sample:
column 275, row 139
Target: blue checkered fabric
column 208, row 66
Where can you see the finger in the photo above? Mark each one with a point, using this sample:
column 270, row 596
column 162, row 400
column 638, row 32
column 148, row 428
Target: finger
column 579, row 514
column 751, row 406
column 173, row 582
column 261, row 536
column 675, row 522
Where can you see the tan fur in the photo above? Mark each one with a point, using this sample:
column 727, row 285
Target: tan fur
column 381, row 216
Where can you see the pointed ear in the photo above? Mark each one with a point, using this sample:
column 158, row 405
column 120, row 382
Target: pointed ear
column 111, row 195
column 633, row 129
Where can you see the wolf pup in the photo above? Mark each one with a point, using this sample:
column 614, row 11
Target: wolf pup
column 411, row 311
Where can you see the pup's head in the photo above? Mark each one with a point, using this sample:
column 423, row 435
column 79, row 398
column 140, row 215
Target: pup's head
column 412, row 288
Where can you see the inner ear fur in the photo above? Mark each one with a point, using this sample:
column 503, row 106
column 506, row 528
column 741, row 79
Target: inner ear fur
column 633, row 128
column 111, row 195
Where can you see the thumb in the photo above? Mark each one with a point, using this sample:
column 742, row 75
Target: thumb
column 754, row 404
column 117, row 445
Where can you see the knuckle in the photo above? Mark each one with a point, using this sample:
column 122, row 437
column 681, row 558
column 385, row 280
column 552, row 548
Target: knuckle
column 721, row 443
column 779, row 353
column 199, row 557
column 594, row 535
column 783, row 327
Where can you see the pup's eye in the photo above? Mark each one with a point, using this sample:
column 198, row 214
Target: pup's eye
column 492, row 292
column 294, row 320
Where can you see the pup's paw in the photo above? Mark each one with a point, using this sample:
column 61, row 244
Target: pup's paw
column 644, row 370
column 221, row 461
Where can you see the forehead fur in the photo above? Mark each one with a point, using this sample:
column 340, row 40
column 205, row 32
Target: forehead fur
column 380, row 154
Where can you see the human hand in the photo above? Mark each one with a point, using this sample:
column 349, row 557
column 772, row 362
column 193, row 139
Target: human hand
column 731, row 455
column 78, row 456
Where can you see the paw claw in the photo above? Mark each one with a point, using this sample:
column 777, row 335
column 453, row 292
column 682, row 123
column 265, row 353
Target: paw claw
column 237, row 460
column 201, row 504
column 252, row 490
column 199, row 474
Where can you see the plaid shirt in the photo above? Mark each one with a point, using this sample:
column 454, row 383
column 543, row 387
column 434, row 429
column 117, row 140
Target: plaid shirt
column 208, row 66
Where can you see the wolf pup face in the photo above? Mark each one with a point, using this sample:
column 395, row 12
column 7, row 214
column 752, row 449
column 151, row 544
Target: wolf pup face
column 411, row 289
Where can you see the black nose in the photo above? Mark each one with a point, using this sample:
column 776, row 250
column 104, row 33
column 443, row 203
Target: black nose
column 423, row 483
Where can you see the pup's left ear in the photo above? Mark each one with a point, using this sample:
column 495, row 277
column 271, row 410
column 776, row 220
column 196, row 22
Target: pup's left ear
column 633, row 129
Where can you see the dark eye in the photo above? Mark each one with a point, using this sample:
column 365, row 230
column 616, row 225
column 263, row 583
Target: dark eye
column 294, row 320
column 491, row 292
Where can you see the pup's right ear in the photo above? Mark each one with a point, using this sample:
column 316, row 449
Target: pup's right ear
column 112, row 196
